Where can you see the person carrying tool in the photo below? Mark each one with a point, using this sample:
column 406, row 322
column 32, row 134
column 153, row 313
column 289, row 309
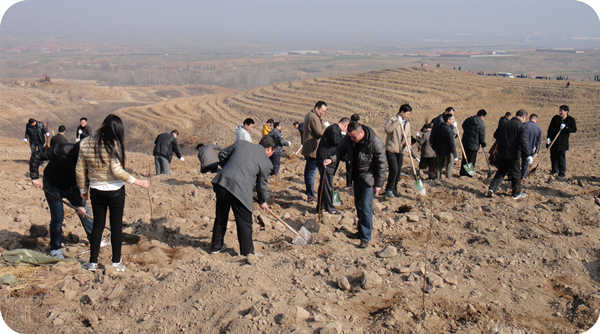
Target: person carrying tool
column 35, row 134
column 165, row 145
column 314, row 126
column 395, row 145
column 560, row 128
column 58, row 183
column 442, row 141
column 473, row 137
column 331, row 139
column 279, row 143
column 368, row 162
column 512, row 146
column 533, row 133
column 208, row 155
column 245, row 166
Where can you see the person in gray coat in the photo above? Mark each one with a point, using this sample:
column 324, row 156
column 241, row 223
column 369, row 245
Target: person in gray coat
column 208, row 154
column 245, row 165
column 533, row 134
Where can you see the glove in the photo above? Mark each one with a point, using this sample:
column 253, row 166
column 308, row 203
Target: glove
column 548, row 141
column 405, row 149
column 182, row 159
column 47, row 134
column 456, row 159
column 562, row 126
column 326, row 123
column 530, row 159
column 483, row 145
column 455, row 124
column 79, row 131
column 343, row 133
column 25, row 140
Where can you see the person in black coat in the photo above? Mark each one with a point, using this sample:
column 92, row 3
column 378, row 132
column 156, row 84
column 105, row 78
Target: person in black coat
column 60, row 137
column 473, row 137
column 331, row 139
column 512, row 147
column 35, row 134
column 439, row 120
column 564, row 124
column 165, row 145
column 442, row 141
column 83, row 130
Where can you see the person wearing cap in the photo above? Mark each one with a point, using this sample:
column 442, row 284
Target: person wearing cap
column 561, row 125
column 60, row 137
column 35, row 134
column 165, row 145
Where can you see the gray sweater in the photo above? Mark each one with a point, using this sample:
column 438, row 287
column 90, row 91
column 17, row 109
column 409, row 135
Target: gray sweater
column 245, row 165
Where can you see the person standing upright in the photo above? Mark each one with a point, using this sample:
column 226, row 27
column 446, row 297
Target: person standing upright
column 561, row 125
column 332, row 138
column 533, row 133
column 279, row 143
column 442, row 141
column 59, row 138
column 397, row 128
column 268, row 127
column 242, row 132
column 35, row 134
column 165, row 145
column 83, row 130
column 314, row 126
column 473, row 137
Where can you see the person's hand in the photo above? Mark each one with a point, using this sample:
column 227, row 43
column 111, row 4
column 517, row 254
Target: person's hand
column 182, row 158
column 37, row 183
column 25, row 140
column 142, row 183
column 84, row 197
column 81, row 211
column 326, row 124
column 264, row 206
column 530, row 159
column 377, row 191
column 562, row 126
column 327, row 162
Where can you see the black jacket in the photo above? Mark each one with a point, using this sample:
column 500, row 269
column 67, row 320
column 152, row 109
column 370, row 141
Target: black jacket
column 562, row 143
column 331, row 139
column 512, row 140
column 82, row 133
column 60, row 172
column 473, row 133
column 438, row 120
column 58, row 139
column 367, row 158
column 442, row 140
column 36, row 135
column 165, row 145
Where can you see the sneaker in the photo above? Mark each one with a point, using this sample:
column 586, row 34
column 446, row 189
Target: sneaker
column 215, row 250
column 489, row 194
column 57, row 253
column 389, row 194
column 118, row 266
column 363, row 244
column 91, row 266
column 520, row 195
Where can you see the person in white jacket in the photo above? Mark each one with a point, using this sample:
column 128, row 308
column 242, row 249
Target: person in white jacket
column 242, row 132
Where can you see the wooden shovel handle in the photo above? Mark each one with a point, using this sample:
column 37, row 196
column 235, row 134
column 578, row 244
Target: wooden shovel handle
column 281, row 221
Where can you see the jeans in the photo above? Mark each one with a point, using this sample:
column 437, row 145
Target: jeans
column 54, row 198
column 363, row 200
column 243, row 221
column 559, row 161
column 471, row 158
column 276, row 161
column 395, row 164
column 512, row 167
column 327, row 175
column 114, row 201
column 162, row 165
column 310, row 170
column 524, row 168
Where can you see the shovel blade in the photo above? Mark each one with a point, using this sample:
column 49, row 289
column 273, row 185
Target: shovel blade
column 303, row 238
column 420, row 187
column 470, row 169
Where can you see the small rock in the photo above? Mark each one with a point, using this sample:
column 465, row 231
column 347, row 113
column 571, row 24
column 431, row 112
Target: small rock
column 58, row 322
column 38, row 231
column 445, row 217
column 370, row 280
column 412, row 218
column 451, row 279
column 301, row 314
column 332, row 328
column 387, row 252
column 343, row 283
column 435, row 280
column 251, row 259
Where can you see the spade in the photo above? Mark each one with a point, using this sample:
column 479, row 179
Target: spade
column 469, row 168
column 301, row 238
column 418, row 182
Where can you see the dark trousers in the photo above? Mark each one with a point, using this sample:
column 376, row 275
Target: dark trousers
column 429, row 164
column 363, row 201
column 443, row 161
column 512, row 168
column 276, row 161
column 327, row 175
column 395, row 165
column 524, row 168
column 114, row 201
column 54, row 198
column 243, row 221
column 212, row 168
column 559, row 161
column 471, row 158
column 162, row 165
column 348, row 174
column 310, row 170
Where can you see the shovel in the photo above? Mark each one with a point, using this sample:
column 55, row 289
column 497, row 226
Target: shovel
column 418, row 182
column 487, row 159
column 299, row 149
column 302, row 237
column 469, row 168
column 534, row 169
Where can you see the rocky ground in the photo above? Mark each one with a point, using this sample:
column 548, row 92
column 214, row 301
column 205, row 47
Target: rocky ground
column 453, row 261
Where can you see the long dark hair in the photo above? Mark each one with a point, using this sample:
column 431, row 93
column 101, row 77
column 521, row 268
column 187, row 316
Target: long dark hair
column 112, row 132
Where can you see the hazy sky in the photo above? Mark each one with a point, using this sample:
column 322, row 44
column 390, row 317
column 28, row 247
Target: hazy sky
column 307, row 23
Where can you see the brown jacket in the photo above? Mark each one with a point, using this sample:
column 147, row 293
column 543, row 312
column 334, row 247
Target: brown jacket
column 394, row 140
column 90, row 169
column 312, row 132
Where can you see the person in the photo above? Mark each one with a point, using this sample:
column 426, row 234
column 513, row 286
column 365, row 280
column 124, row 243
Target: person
column 356, row 119
column 512, row 146
column 165, row 145
column 101, row 170
column 367, row 153
column 473, row 137
column 427, row 153
column 59, row 138
column 268, row 127
column 533, row 133
column 397, row 128
column 208, row 155
column 442, row 141
column 245, row 166
column 504, row 118
column 58, row 183
column 439, row 120
column 314, row 126
column 242, row 132
column 300, row 127
column 279, row 143
column 561, row 125
column 83, row 130
column 331, row 139
column 35, row 134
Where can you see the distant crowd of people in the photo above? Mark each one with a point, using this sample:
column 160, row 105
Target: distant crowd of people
column 93, row 166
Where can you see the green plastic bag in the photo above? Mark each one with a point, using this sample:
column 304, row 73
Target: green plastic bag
column 335, row 198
